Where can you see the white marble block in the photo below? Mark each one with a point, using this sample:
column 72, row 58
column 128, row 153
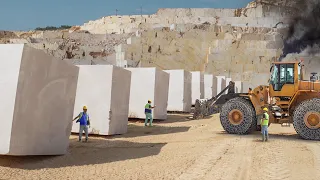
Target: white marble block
column 197, row 86
column 148, row 84
column 227, row 84
column 105, row 90
column 37, row 100
column 208, row 86
column 238, row 86
column 219, row 83
column 179, row 98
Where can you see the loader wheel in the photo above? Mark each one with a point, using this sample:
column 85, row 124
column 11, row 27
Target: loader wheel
column 306, row 119
column 238, row 116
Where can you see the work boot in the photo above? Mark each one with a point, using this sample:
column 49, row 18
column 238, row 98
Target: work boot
column 86, row 140
column 79, row 140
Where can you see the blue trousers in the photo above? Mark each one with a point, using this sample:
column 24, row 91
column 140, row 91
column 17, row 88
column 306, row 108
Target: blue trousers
column 264, row 132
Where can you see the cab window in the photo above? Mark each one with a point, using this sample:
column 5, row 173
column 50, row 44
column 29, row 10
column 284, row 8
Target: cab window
column 282, row 74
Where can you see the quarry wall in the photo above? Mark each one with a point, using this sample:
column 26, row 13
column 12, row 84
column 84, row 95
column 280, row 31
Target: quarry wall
column 235, row 54
column 235, row 43
column 256, row 15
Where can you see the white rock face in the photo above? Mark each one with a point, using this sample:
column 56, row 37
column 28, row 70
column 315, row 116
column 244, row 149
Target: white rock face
column 252, row 16
column 197, row 84
column 105, row 90
column 148, row 84
column 208, row 86
column 37, row 101
column 179, row 98
column 219, row 84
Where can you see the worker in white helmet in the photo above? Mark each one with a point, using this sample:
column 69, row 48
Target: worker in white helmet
column 84, row 120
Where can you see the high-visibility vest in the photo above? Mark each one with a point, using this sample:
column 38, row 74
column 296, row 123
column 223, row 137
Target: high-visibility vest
column 80, row 116
column 147, row 108
column 265, row 121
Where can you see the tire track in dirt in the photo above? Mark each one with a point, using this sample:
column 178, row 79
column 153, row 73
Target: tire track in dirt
column 235, row 164
column 315, row 148
column 244, row 170
column 275, row 163
column 204, row 163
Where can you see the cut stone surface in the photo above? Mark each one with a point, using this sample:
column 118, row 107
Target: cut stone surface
column 197, row 84
column 238, row 86
column 219, row 83
column 105, row 90
column 227, row 83
column 179, row 98
column 246, row 86
column 208, row 86
column 256, row 81
column 148, row 84
column 37, row 101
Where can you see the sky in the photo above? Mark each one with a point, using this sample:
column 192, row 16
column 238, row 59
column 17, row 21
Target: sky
column 29, row 14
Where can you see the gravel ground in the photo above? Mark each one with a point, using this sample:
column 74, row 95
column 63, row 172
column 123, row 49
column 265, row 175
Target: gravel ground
column 178, row 148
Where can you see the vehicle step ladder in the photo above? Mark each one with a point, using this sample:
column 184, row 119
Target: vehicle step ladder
column 285, row 125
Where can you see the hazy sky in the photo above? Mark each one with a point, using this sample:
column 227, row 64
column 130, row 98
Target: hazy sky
column 29, row 14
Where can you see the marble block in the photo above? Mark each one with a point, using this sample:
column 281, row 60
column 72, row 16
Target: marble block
column 208, row 86
column 37, row 101
column 179, row 98
column 227, row 84
column 105, row 90
column 197, row 86
column 238, row 86
column 148, row 84
column 219, row 83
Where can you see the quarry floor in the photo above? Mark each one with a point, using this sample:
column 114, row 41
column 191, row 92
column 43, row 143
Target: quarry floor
column 178, row 148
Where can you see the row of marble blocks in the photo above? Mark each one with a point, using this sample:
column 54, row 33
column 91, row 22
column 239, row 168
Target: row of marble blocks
column 41, row 95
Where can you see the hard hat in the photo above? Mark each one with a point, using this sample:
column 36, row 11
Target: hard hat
column 84, row 107
column 149, row 100
column 265, row 109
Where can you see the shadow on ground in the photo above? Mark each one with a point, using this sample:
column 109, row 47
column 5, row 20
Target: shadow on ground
column 138, row 131
column 96, row 151
column 172, row 118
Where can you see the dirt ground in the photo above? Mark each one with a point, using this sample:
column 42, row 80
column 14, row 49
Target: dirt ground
column 178, row 148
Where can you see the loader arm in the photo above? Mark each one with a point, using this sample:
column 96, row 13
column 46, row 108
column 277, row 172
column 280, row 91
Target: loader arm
column 206, row 107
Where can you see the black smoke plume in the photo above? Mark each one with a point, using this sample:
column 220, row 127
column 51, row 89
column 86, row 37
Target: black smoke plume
column 304, row 29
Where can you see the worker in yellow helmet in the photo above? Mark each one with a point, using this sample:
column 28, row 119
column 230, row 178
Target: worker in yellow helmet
column 264, row 125
column 84, row 120
column 148, row 112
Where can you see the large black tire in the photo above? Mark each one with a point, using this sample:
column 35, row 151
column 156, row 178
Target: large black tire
column 249, row 120
column 307, row 106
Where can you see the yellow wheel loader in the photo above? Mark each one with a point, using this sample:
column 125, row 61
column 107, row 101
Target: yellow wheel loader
column 289, row 98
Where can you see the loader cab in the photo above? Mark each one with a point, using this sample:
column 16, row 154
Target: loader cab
column 284, row 79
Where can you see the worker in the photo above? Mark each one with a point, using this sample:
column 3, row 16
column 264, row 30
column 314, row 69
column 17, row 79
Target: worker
column 84, row 120
column 249, row 91
column 148, row 111
column 264, row 125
